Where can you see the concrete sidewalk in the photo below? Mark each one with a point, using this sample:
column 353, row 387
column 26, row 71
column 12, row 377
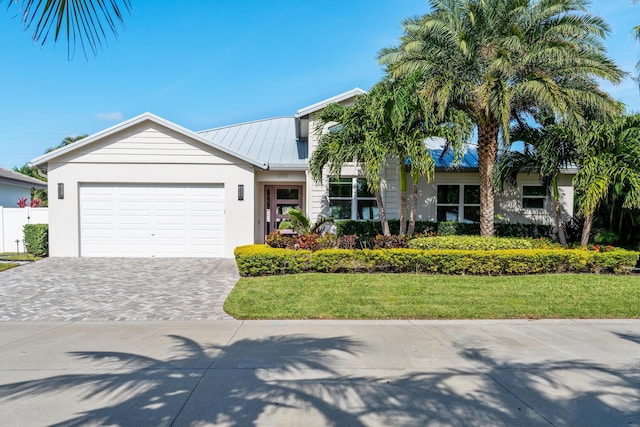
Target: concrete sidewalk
column 317, row 373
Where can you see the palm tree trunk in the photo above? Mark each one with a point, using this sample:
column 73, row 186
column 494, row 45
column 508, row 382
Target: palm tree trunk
column 586, row 229
column 487, row 154
column 414, row 208
column 403, row 198
column 382, row 214
column 556, row 202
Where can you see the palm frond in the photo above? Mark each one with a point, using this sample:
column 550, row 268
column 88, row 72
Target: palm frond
column 87, row 22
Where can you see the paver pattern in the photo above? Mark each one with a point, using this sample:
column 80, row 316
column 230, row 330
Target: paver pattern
column 117, row 289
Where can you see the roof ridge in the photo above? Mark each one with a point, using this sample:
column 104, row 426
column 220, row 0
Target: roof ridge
column 245, row 123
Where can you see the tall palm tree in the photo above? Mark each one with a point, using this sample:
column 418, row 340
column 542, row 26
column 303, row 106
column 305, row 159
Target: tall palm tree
column 497, row 60
column 412, row 120
column 548, row 149
column 610, row 157
column 79, row 21
column 391, row 121
column 636, row 32
column 398, row 112
column 355, row 139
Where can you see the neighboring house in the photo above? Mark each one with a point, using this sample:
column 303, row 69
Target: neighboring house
column 14, row 185
column 148, row 187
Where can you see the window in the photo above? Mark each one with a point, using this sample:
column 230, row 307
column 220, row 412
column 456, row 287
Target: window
column 534, row 196
column 349, row 198
column 340, row 198
column 458, row 203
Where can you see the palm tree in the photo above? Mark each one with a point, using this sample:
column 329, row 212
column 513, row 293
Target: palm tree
column 548, row 150
column 636, row 32
column 497, row 60
column 66, row 141
column 412, row 120
column 610, row 158
column 301, row 223
column 79, row 21
column 355, row 139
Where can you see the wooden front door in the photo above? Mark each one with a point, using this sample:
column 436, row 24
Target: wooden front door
column 278, row 199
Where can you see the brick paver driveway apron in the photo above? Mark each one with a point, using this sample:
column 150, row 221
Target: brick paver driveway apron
column 122, row 289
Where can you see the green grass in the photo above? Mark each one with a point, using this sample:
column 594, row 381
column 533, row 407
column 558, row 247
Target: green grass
column 409, row 296
column 13, row 256
column 4, row 266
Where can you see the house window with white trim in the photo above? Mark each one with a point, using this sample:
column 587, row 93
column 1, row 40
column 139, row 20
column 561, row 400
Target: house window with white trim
column 534, row 196
column 349, row 198
column 459, row 203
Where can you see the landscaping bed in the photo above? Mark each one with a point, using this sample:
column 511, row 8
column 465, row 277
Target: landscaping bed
column 260, row 260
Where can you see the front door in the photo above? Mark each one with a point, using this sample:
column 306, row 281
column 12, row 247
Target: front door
column 278, row 199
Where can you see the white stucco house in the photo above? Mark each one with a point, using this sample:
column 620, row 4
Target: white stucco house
column 148, row 187
column 14, row 185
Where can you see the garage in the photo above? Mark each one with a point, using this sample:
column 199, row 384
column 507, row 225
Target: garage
column 151, row 220
column 147, row 187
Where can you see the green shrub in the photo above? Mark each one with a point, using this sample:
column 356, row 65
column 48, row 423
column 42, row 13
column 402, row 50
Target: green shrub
column 477, row 243
column 340, row 261
column 36, row 239
column 257, row 260
column 606, row 238
column 367, row 230
column 263, row 260
column 523, row 230
column 452, row 228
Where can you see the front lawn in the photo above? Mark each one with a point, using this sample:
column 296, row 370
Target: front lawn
column 6, row 266
column 411, row 296
column 15, row 256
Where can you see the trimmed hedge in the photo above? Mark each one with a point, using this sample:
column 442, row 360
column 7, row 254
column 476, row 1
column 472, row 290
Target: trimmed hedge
column 263, row 260
column 260, row 260
column 36, row 239
column 478, row 243
column 367, row 230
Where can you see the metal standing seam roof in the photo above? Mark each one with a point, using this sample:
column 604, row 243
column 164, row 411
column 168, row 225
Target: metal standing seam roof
column 273, row 141
column 270, row 141
column 444, row 159
column 7, row 175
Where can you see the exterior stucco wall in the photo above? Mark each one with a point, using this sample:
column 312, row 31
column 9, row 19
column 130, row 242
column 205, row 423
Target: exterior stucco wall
column 164, row 158
column 507, row 204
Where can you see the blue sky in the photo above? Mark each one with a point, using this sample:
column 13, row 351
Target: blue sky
column 203, row 64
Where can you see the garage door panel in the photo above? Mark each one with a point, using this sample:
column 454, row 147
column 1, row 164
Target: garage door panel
column 152, row 220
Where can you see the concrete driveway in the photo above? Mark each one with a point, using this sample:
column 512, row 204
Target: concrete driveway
column 122, row 289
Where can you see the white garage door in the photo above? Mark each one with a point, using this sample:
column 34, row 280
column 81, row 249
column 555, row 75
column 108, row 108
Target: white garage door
column 151, row 220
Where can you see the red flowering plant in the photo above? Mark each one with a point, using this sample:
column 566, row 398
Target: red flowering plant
column 600, row 248
column 34, row 203
column 22, row 202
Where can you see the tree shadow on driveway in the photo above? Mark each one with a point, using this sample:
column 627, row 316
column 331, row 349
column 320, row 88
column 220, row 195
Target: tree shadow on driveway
column 304, row 380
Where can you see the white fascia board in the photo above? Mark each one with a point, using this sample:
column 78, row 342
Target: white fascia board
column 42, row 160
column 292, row 167
column 24, row 184
column 338, row 98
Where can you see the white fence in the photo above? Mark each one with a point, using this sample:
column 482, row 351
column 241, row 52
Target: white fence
column 11, row 222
